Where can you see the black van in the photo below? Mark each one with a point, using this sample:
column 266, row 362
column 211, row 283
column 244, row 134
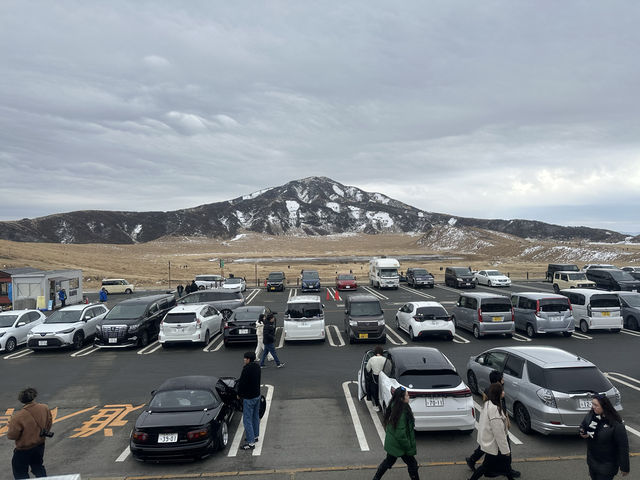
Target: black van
column 560, row 267
column 275, row 281
column 459, row 277
column 364, row 319
column 613, row 279
column 133, row 322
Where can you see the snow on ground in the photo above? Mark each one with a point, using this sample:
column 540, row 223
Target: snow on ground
column 452, row 238
column 238, row 237
column 380, row 198
column 338, row 190
column 565, row 253
column 136, row 232
column 293, row 208
column 303, row 193
column 255, row 194
column 420, row 214
column 356, row 212
column 333, row 206
column 241, row 218
column 382, row 217
column 452, row 221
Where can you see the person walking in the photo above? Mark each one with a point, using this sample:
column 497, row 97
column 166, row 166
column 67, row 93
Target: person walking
column 194, row 287
column 62, row 296
column 492, row 436
column 607, row 442
column 29, row 428
column 374, row 367
column 249, row 392
column 269, row 340
column 180, row 290
column 400, row 436
column 260, row 336
column 103, row 295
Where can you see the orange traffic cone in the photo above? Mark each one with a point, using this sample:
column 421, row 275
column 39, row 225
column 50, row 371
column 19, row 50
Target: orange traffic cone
column 328, row 295
column 336, row 296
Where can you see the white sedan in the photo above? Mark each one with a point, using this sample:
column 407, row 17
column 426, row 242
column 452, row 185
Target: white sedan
column 492, row 278
column 235, row 284
column 420, row 319
column 14, row 326
column 195, row 323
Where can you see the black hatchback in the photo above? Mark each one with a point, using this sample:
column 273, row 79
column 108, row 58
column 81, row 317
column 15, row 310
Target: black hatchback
column 240, row 327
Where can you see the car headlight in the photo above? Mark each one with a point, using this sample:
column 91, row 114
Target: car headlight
column 616, row 392
column 2, row 334
column 68, row 330
column 459, row 279
column 133, row 328
column 30, row 334
column 353, row 323
column 381, row 322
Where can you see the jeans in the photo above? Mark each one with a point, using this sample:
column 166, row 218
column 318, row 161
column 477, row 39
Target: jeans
column 251, row 418
column 269, row 348
column 23, row 459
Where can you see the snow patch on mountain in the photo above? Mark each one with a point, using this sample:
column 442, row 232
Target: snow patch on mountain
column 303, row 194
column 338, row 190
column 380, row 198
column 256, row 194
column 333, row 206
column 452, row 221
column 383, row 217
column 356, row 212
column 136, row 232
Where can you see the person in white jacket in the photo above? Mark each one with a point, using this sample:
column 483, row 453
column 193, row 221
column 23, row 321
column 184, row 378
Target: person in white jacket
column 492, row 437
column 260, row 334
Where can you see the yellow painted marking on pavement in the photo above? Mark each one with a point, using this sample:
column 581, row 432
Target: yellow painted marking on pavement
column 56, row 420
column 108, row 432
column 108, row 416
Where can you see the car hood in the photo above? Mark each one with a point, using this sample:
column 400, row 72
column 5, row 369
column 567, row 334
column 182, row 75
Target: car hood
column 367, row 318
column 54, row 327
column 346, row 282
column 6, row 329
column 173, row 419
column 233, row 286
column 120, row 321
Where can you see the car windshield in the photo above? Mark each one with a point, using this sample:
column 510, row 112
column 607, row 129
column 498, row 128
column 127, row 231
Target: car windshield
column 304, row 310
column 275, row 277
column 126, row 311
column 496, row 306
column 7, row 320
column 310, row 276
column 604, row 301
column 365, row 309
column 233, row 280
column 577, row 276
column 461, row 271
column 431, row 313
column 494, row 273
column 247, row 314
column 346, row 277
column 632, row 300
column 420, row 272
column 183, row 400
column 554, row 305
column 180, row 318
column 576, row 380
column 388, row 272
column 64, row 316
column 428, row 379
column 620, row 275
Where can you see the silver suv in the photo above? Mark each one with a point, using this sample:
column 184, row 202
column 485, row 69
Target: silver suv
column 536, row 312
column 546, row 389
column 483, row 314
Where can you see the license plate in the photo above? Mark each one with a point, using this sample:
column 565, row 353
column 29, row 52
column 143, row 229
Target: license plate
column 496, row 319
column 555, row 318
column 243, row 331
column 434, row 401
column 584, row 403
column 113, row 340
column 167, row 438
column 347, row 287
column 363, row 335
column 42, row 343
column 606, row 314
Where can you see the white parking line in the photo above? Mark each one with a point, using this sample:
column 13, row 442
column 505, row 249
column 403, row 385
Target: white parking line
column 519, row 338
column 613, row 375
column 416, row 292
column 458, row 339
column 375, row 293
column 292, row 293
column 581, row 336
column 149, row 348
column 333, row 292
column 632, row 430
column 376, row 420
column 22, row 353
column 364, row 446
column 208, row 346
column 85, row 351
column 328, row 329
column 251, row 297
column 281, row 343
column 633, row 333
column 513, row 438
column 123, row 456
column 395, row 334
column 237, row 438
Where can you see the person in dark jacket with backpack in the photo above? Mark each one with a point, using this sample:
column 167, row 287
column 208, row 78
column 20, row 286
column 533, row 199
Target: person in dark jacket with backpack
column 400, row 436
column 249, row 392
column 607, row 442
column 269, row 339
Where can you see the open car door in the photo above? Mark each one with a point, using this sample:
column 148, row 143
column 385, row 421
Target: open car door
column 362, row 375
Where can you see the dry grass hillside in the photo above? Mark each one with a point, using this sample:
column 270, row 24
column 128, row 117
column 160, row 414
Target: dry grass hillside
column 253, row 255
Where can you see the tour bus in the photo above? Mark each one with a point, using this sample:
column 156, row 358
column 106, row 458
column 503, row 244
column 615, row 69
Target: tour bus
column 383, row 272
column 304, row 318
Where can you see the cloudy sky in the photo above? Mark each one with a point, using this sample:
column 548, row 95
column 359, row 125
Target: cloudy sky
column 492, row 109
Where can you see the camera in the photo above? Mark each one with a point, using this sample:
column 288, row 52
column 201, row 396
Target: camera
column 46, row 433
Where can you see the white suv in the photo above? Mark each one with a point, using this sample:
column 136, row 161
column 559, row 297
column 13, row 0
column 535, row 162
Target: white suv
column 208, row 281
column 67, row 327
column 14, row 326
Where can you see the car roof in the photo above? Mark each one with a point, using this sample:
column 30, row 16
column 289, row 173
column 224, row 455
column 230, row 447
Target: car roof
column 484, row 295
column 147, row 299
column 79, row 306
column 362, row 297
column 426, row 304
column 550, row 357
column 539, row 295
column 188, row 308
column 191, row 382
column 588, row 292
column 627, row 294
column 250, row 308
column 107, row 279
column 305, row 299
column 418, row 358
column 19, row 312
column 566, row 271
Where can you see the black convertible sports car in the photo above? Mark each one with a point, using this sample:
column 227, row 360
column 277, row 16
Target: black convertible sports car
column 187, row 417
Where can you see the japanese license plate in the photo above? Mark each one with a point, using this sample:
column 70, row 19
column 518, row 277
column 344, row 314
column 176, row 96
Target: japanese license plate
column 113, row 340
column 363, row 335
column 42, row 343
column 347, row 287
column 584, row 403
column 243, row 331
column 167, row 437
column 496, row 319
column 606, row 314
column 434, row 401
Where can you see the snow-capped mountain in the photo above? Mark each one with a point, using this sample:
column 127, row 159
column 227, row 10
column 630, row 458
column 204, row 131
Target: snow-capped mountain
column 310, row 206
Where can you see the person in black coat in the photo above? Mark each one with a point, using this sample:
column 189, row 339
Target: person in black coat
column 269, row 338
column 607, row 442
column 249, row 392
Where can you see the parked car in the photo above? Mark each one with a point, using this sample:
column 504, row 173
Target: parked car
column 187, row 417
column 439, row 399
column 275, row 282
column 240, row 327
column 15, row 325
column 633, row 271
column 492, row 278
column 419, row 277
column 630, row 309
column 597, row 265
column 221, row 299
column 562, row 280
column 459, row 277
column 613, row 279
column 235, row 284
column 208, row 281
column 346, row 281
column 483, row 314
column 310, row 281
column 594, row 310
column 133, row 322
column 117, row 285
column 423, row 319
column 364, row 319
column 193, row 323
column 68, row 327
column 304, row 318
column 546, row 389
column 536, row 312
column 557, row 267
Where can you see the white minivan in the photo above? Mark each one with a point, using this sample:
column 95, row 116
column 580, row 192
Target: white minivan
column 304, row 318
column 594, row 309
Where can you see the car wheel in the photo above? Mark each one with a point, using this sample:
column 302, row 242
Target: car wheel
column 556, row 289
column 165, row 345
column 615, row 330
column 223, row 435
column 632, row 323
column 489, row 284
column 207, row 337
column 144, row 339
column 453, row 319
column 397, row 323
column 201, row 287
column 351, row 340
column 476, row 331
column 584, row 326
column 473, row 382
column 226, row 313
column 468, row 432
column 567, row 334
column 450, row 337
column 128, row 291
column 522, row 418
column 78, row 340
column 10, row 346
column 531, row 332
column 411, row 335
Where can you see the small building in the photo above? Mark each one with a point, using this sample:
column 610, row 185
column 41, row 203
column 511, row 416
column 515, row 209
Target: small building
column 40, row 289
column 5, row 283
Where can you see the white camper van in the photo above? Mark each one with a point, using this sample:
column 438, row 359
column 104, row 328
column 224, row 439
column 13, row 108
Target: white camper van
column 383, row 272
column 304, row 318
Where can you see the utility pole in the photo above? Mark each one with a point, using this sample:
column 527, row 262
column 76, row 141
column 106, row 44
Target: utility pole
column 169, row 274
column 256, row 267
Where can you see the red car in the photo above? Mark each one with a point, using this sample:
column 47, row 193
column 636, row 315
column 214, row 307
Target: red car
column 346, row 281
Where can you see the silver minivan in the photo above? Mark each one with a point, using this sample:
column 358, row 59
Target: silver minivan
column 595, row 309
column 546, row 389
column 484, row 314
column 536, row 312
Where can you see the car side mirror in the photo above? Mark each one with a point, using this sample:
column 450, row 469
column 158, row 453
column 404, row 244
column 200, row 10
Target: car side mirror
column 153, row 392
column 21, row 324
column 481, row 361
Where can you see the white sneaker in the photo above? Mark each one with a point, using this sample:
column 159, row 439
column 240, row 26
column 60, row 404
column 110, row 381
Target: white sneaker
column 376, row 408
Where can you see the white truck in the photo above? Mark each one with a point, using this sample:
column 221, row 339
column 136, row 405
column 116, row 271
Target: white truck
column 383, row 272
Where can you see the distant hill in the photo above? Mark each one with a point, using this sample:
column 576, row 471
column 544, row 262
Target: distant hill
column 310, row 206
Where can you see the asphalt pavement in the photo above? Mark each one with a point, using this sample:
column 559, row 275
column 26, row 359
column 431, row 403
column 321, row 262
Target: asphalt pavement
column 316, row 427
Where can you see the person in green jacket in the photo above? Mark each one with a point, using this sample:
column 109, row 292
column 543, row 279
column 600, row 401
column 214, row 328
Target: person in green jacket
column 400, row 438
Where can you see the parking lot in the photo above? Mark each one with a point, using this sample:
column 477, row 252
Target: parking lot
column 314, row 417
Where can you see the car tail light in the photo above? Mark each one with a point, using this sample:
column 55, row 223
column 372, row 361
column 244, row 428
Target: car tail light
column 513, row 313
column 479, row 314
column 537, row 307
column 139, row 437
column 197, row 434
column 588, row 310
column 547, row 397
column 198, row 323
column 570, row 307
